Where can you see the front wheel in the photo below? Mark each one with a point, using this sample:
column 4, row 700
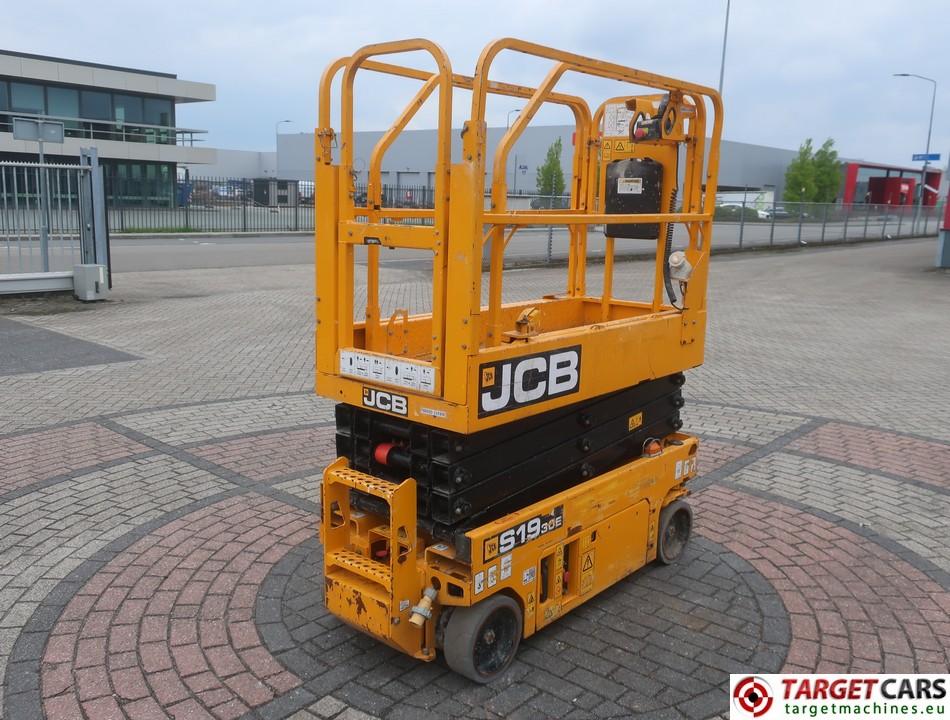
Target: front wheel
column 676, row 524
column 480, row 641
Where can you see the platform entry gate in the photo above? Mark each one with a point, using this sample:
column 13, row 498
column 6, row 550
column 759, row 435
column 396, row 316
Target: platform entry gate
column 53, row 232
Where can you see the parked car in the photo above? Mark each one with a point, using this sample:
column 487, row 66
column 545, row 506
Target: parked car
column 780, row 213
column 544, row 203
column 734, row 212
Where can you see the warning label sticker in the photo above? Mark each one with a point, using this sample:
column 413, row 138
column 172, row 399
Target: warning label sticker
column 617, row 120
column 587, row 572
column 629, row 186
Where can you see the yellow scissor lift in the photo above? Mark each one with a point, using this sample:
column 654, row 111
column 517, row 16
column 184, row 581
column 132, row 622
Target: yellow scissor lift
column 425, row 564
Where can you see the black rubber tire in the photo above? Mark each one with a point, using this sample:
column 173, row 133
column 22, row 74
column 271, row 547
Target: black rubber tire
column 676, row 526
column 481, row 641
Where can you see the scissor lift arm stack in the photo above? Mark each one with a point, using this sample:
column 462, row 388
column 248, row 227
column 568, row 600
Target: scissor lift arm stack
column 500, row 464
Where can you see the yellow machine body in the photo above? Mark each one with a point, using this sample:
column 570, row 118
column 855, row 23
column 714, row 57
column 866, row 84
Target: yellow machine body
column 587, row 537
column 444, row 368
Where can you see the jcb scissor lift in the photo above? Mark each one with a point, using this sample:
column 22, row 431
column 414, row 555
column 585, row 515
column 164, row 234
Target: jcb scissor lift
column 501, row 463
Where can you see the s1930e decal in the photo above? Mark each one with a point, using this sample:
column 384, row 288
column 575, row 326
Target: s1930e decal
column 522, row 533
column 509, row 384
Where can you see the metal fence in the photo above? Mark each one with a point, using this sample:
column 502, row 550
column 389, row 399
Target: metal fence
column 209, row 204
column 53, row 226
column 37, row 233
column 808, row 223
column 221, row 204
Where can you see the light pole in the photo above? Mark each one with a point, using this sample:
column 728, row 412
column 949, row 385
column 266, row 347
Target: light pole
column 514, row 175
column 801, row 207
column 276, row 149
column 930, row 127
column 722, row 62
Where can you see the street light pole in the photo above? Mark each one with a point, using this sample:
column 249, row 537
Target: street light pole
column 930, row 127
column 276, row 149
column 514, row 177
column 722, row 62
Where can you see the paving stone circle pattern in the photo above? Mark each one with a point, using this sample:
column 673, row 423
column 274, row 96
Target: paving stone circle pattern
column 159, row 557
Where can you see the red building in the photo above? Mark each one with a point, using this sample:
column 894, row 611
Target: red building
column 887, row 184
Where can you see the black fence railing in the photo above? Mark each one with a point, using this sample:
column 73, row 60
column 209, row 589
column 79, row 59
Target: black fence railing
column 221, row 204
column 120, row 131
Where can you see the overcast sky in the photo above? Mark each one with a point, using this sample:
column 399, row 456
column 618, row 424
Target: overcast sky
column 794, row 69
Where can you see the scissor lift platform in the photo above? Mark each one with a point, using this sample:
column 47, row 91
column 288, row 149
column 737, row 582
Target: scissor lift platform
column 500, row 464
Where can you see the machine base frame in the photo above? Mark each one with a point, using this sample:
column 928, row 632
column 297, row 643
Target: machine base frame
column 550, row 556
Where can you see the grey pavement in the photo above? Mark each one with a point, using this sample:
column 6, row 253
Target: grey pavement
column 158, row 551
column 535, row 245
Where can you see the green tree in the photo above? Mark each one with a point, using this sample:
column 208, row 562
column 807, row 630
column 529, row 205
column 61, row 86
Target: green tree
column 800, row 175
column 814, row 175
column 550, row 175
column 827, row 172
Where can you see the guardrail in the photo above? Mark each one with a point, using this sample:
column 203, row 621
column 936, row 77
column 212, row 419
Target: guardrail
column 221, row 204
column 784, row 223
column 121, row 131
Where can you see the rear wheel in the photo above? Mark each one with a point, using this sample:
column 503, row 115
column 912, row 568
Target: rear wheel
column 676, row 524
column 480, row 641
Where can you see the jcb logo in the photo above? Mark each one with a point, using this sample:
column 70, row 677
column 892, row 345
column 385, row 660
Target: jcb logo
column 382, row 400
column 510, row 384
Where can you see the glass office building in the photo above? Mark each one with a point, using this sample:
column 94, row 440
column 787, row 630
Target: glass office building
column 128, row 115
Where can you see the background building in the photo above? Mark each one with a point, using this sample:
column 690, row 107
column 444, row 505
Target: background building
column 410, row 160
column 887, row 184
column 754, row 172
column 127, row 115
column 238, row 164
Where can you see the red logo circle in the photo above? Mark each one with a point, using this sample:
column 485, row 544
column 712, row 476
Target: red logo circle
column 752, row 695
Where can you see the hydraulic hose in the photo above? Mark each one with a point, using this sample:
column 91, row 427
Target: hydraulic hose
column 667, row 249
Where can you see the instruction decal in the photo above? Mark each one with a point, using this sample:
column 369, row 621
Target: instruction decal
column 506, row 567
column 630, row 186
column 617, row 120
column 389, row 370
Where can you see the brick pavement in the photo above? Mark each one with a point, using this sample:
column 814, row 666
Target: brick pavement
column 915, row 516
column 28, row 458
column 158, row 556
